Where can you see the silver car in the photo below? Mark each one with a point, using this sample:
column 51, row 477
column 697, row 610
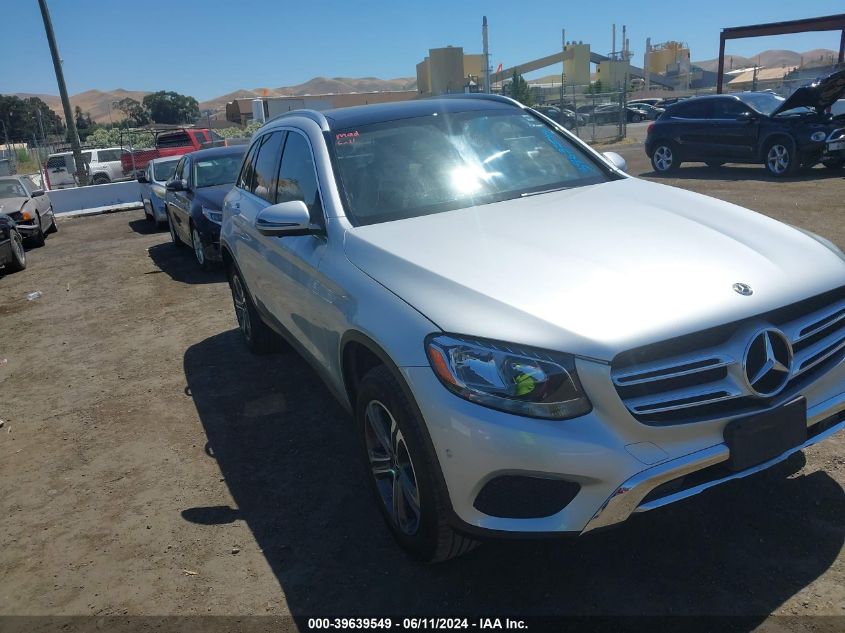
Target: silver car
column 29, row 206
column 531, row 341
column 153, row 194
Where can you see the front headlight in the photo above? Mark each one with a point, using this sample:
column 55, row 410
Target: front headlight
column 818, row 137
column 213, row 215
column 505, row 377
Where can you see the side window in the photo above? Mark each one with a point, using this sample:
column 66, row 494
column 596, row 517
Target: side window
column 248, row 168
column 266, row 166
column 728, row 108
column 108, row 155
column 298, row 177
column 693, row 109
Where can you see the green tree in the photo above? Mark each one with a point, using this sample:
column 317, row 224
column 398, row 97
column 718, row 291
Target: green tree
column 136, row 113
column 520, row 90
column 171, row 107
column 20, row 117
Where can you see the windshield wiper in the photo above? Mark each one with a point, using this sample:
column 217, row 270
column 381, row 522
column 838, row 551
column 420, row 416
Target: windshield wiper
column 537, row 193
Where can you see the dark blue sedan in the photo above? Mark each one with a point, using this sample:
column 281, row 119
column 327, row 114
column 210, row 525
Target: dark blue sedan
column 195, row 196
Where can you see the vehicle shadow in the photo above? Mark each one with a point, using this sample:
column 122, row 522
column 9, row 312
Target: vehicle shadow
column 144, row 227
column 700, row 171
column 288, row 454
column 180, row 264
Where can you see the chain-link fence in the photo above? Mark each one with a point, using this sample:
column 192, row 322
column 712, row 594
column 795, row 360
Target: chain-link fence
column 595, row 118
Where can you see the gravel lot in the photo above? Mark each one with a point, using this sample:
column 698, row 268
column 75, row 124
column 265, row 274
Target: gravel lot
column 151, row 465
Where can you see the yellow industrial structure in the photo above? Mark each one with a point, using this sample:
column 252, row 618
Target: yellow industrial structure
column 448, row 70
column 612, row 73
column 576, row 64
column 668, row 56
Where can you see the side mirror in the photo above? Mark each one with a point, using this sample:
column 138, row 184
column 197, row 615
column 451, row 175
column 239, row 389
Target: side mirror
column 175, row 185
column 285, row 218
column 143, row 179
column 616, row 160
column 37, row 192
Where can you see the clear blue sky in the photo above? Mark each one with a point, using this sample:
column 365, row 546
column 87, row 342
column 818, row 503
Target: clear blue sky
column 208, row 48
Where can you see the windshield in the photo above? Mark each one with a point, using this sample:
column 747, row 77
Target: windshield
column 11, row 189
column 417, row 166
column 220, row 170
column 163, row 171
column 766, row 103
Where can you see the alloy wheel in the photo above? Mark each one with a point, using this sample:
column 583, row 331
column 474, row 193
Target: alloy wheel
column 199, row 253
column 17, row 247
column 778, row 159
column 241, row 308
column 663, row 158
column 391, row 467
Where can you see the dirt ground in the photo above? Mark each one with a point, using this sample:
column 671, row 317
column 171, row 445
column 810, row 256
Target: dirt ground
column 150, row 465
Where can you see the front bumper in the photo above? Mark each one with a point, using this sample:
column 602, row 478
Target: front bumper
column 27, row 230
column 616, row 460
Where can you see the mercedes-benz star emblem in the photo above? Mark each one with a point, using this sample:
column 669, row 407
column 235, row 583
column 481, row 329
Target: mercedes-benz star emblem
column 743, row 289
column 768, row 362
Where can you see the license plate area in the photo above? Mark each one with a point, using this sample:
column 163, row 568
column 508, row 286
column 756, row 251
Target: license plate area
column 836, row 146
column 758, row 438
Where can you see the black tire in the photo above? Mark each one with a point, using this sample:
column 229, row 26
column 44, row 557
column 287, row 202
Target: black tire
column 100, row 179
column 834, row 163
column 54, row 226
column 779, row 159
column 259, row 338
column 18, row 261
column 665, row 157
column 174, row 237
column 199, row 250
column 714, row 163
column 38, row 238
column 424, row 532
column 636, row 118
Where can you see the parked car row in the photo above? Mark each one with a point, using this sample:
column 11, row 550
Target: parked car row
column 753, row 127
column 496, row 386
column 186, row 194
column 26, row 217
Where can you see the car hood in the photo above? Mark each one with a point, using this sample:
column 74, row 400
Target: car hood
column 213, row 196
column 821, row 94
column 12, row 205
column 594, row 270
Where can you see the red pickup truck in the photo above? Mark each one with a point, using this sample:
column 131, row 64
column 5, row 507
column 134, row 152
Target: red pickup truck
column 170, row 143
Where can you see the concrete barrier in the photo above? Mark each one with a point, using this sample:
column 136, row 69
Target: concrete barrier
column 97, row 198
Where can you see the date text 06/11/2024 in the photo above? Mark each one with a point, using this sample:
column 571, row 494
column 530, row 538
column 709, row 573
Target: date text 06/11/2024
column 417, row 623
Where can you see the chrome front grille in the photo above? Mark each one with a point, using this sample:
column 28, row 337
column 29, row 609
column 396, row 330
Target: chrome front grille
column 674, row 383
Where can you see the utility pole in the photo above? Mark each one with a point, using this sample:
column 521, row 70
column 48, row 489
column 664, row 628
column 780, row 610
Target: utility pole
column 81, row 174
column 486, row 49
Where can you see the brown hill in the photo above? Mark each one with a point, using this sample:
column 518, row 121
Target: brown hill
column 772, row 59
column 98, row 102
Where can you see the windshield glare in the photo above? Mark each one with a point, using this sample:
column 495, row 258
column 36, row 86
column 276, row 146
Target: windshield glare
column 766, row 103
column 162, row 172
column 220, row 170
column 417, row 166
column 11, row 189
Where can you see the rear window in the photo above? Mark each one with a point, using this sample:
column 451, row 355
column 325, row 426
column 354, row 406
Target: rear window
column 162, row 172
column 691, row 110
column 173, row 139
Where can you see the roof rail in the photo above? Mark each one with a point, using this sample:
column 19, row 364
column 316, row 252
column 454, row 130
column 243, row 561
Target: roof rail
column 484, row 96
column 314, row 115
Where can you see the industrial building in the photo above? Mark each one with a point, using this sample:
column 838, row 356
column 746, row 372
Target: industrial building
column 449, row 70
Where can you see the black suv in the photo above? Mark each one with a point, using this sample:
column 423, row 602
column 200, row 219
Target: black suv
column 753, row 127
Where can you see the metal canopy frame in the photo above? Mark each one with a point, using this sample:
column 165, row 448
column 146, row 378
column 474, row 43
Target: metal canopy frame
column 825, row 23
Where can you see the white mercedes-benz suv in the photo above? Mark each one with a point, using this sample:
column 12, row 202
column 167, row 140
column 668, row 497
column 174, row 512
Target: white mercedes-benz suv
column 530, row 340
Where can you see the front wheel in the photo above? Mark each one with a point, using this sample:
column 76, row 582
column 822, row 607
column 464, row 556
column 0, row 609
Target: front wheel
column 199, row 250
column 54, row 227
column 664, row 158
column 401, row 470
column 779, row 159
column 38, row 238
column 18, row 262
column 100, row 179
column 174, row 238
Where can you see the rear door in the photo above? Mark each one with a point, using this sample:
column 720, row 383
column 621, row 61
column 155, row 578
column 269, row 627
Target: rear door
column 286, row 269
column 176, row 201
column 694, row 128
column 734, row 137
